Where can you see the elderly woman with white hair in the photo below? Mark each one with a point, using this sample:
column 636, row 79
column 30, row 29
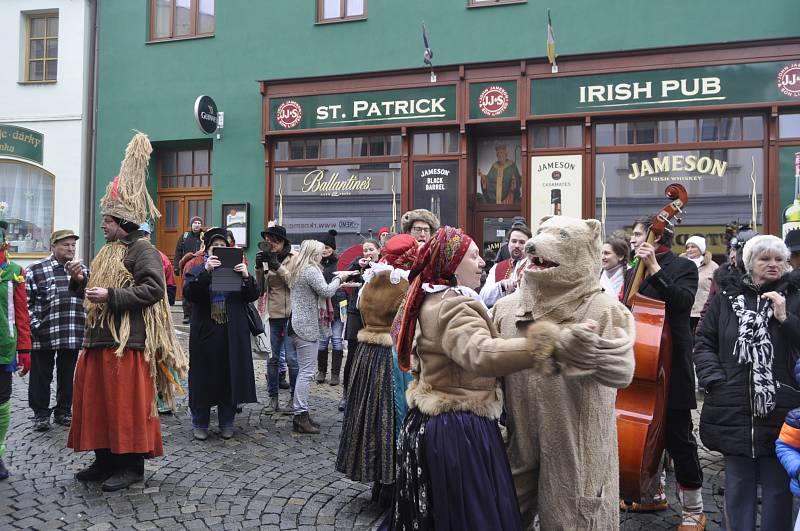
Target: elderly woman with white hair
column 745, row 349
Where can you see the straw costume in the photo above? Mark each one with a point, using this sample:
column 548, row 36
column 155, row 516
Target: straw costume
column 15, row 334
column 130, row 349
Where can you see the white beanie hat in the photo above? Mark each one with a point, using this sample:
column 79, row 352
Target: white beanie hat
column 699, row 241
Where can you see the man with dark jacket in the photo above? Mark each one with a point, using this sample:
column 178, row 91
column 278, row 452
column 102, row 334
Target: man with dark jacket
column 189, row 242
column 673, row 279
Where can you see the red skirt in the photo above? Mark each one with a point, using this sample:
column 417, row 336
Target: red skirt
column 112, row 404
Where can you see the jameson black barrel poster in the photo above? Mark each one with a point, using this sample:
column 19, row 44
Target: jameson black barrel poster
column 436, row 188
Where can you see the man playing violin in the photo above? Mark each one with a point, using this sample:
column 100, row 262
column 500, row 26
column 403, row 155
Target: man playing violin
column 673, row 280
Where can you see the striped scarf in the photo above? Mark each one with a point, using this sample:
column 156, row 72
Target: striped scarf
column 754, row 345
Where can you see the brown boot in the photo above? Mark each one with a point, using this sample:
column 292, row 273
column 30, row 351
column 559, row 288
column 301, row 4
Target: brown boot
column 302, row 424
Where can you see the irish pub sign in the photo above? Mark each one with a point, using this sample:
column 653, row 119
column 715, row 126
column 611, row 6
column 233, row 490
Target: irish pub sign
column 681, row 87
column 399, row 106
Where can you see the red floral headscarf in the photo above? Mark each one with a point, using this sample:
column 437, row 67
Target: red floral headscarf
column 436, row 264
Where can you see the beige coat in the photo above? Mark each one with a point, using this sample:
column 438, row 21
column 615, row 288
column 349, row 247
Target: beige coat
column 460, row 356
column 562, row 442
column 706, row 274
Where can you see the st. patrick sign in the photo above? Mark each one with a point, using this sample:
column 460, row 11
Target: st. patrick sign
column 415, row 105
column 680, row 87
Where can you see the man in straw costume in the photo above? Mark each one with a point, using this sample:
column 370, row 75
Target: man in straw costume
column 129, row 350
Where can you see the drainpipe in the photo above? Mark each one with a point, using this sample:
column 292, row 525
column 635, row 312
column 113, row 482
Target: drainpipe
column 90, row 153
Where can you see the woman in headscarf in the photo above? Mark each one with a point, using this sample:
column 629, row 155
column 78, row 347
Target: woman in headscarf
column 220, row 359
column 745, row 351
column 367, row 444
column 452, row 470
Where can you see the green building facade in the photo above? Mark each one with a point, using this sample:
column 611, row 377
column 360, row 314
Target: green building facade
column 711, row 85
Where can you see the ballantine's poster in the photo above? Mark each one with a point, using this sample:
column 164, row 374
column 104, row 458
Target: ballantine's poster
column 556, row 183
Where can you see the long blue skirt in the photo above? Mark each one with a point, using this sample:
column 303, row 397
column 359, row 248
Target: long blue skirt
column 452, row 474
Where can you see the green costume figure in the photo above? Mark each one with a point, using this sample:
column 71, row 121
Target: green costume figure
column 15, row 335
column 508, row 193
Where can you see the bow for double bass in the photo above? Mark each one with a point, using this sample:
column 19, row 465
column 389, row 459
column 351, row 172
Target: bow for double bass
column 641, row 407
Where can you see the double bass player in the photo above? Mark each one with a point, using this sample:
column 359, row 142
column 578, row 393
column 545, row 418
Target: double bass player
column 673, row 280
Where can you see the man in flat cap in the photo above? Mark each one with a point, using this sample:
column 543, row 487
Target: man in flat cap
column 57, row 324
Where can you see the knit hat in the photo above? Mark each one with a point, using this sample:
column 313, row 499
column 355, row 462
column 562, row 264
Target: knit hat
column 329, row 239
column 400, row 251
column 126, row 197
column 518, row 220
column 699, row 241
column 382, row 231
column 196, row 218
column 420, row 214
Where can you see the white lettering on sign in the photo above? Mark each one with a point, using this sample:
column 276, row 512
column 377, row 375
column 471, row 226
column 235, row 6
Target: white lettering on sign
column 315, row 182
column 646, row 92
column 654, row 166
column 364, row 110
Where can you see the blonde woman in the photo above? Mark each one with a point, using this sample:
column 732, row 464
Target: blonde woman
column 308, row 293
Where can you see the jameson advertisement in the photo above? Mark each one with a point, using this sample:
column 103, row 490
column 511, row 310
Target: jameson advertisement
column 556, row 183
column 436, row 189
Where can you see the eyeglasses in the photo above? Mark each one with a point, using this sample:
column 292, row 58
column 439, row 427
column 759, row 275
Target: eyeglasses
column 420, row 229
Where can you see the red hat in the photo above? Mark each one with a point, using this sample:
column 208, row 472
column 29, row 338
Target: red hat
column 382, row 230
column 400, row 251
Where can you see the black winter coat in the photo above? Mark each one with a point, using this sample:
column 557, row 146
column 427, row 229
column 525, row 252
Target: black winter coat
column 676, row 285
column 727, row 423
column 354, row 321
column 329, row 267
column 220, row 355
column 188, row 242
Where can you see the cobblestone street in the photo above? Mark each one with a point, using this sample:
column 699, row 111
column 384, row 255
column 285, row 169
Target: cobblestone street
column 266, row 477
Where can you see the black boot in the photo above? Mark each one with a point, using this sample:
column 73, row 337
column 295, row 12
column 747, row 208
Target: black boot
column 322, row 365
column 100, row 470
column 336, row 366
column 130, row 471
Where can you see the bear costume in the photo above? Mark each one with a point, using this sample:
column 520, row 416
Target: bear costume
column 562, row 433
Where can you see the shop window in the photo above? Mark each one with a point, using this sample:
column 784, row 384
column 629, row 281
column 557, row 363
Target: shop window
column 705, row 129
column 499, row 181
column 187, row 168
column 26, row 199
column 556, row 136
column 341, row 10
column 354, row 199
column 718, row 182
column 332, row 148
column 789, row 125
column 180, row 19
column 439, row 143
column 42, row 48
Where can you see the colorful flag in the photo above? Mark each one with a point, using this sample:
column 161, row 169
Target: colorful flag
column 551, row 41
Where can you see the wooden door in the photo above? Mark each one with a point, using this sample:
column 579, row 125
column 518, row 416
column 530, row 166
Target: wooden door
column 177, row 208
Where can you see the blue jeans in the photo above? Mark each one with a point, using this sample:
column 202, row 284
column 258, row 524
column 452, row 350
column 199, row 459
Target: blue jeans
column 279, row 341
column 742, row 477
column 201, row 417
column 337, row 327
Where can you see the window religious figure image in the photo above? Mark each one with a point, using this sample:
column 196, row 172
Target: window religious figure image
column 499, row 177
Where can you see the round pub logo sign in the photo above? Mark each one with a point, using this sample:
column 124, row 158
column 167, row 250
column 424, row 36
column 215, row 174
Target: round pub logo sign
column 493, row 101
column 789, row 80
column 289, row 114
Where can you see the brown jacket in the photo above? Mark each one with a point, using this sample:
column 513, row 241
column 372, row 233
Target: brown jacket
column 144, row 262
column 378, row 304
column 706, row 274
column 460, row 357
column 275, row 285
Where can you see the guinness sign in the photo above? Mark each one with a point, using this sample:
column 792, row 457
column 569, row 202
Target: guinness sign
column 206, row 114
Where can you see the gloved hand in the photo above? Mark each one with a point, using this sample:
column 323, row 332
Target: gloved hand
column 272, row 261
column 24, row 363
column 261, row 257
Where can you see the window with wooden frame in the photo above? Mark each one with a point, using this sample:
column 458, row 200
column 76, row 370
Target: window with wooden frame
column 41, row 61
column 185, row 168
column 181, row 19
column 341, row 10
column 481, row 3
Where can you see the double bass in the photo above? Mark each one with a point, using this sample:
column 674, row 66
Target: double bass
column 641, row 407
